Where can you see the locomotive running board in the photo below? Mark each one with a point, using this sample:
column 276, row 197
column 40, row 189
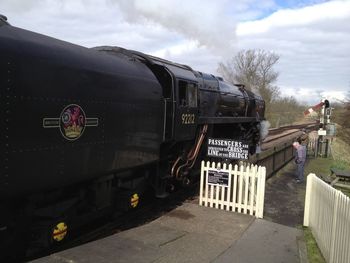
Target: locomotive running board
column 214, row 120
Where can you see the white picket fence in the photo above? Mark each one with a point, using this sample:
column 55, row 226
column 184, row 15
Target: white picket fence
column 243, row 190
column 327, row 213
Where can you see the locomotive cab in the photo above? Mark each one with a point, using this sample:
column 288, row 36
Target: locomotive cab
column 187, row 109
column 180, row 96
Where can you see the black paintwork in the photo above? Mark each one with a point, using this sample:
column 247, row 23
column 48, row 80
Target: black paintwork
column 40, row 76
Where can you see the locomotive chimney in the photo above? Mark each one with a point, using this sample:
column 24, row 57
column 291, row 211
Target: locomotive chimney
column 241, row 86
column 2, row 17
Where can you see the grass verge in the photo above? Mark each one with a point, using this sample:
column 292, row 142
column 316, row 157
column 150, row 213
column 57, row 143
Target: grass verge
column 313, row 252
column 321, row 166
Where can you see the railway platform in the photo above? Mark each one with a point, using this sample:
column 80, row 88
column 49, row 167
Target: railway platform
column 192, row 233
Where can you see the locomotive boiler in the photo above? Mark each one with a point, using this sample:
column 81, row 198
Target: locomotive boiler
column 85, row 131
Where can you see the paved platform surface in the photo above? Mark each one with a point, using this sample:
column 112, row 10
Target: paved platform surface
column 192, row 233
column 265, row 242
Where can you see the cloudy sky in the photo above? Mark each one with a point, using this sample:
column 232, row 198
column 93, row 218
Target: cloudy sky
column 312, row 37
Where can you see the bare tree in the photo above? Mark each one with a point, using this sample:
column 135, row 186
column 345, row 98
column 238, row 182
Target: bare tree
column 345, row 120
column 254, row 69
column 341, row 115
column 284, row 111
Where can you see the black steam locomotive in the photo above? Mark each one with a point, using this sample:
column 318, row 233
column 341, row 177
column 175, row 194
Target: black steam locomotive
column 85, row 131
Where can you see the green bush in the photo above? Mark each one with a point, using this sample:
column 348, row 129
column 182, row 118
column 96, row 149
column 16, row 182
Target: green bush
column 340, row 165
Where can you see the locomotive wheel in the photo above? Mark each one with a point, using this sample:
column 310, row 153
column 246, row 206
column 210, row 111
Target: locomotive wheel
column 186, row 182
column 13, row 238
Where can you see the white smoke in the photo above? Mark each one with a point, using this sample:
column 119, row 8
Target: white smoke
column 19, row 6
column 206, row 22
column 264, row 129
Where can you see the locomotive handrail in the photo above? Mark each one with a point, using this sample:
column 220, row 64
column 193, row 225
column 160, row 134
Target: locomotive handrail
column 209, row 90
column 213, row 120
column 144, row 56
column 166, row 101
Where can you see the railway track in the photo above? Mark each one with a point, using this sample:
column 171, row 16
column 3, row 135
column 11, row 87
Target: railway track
column 277, row 149
column 281, row 133
column 307, row 126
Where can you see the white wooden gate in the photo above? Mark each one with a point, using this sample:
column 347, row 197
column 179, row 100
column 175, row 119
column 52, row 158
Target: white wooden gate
column 327, row 214
column 229, row 188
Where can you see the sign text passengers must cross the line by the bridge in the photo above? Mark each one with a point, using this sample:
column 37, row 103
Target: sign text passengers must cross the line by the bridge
column 228, row 149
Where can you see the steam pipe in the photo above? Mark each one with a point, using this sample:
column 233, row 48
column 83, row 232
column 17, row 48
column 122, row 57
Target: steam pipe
column 194, row 152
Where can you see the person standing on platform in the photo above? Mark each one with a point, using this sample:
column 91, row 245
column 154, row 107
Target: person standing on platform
column 304, row 138
column 300, row 159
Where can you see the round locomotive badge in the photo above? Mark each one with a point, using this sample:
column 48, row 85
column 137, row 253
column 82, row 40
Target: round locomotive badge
column 72, row 122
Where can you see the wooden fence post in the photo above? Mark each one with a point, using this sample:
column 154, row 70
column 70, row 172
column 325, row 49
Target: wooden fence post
column 309, row 181
column 260, row 192
column 333, row 232
column 243, row 191
column 201, row 183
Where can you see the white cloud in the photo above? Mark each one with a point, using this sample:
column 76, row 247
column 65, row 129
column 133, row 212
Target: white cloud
column 175, row 33
column 333, row 95
column 311, row 95
column 313, row 45
column 297, row 17
column 190, row 53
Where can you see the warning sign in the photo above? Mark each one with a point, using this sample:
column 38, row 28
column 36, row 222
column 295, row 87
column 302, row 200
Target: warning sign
column 218, row 177
column 228, row 149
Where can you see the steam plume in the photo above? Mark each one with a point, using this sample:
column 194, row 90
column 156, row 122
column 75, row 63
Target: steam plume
column 206, row 22
column 264, row 129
